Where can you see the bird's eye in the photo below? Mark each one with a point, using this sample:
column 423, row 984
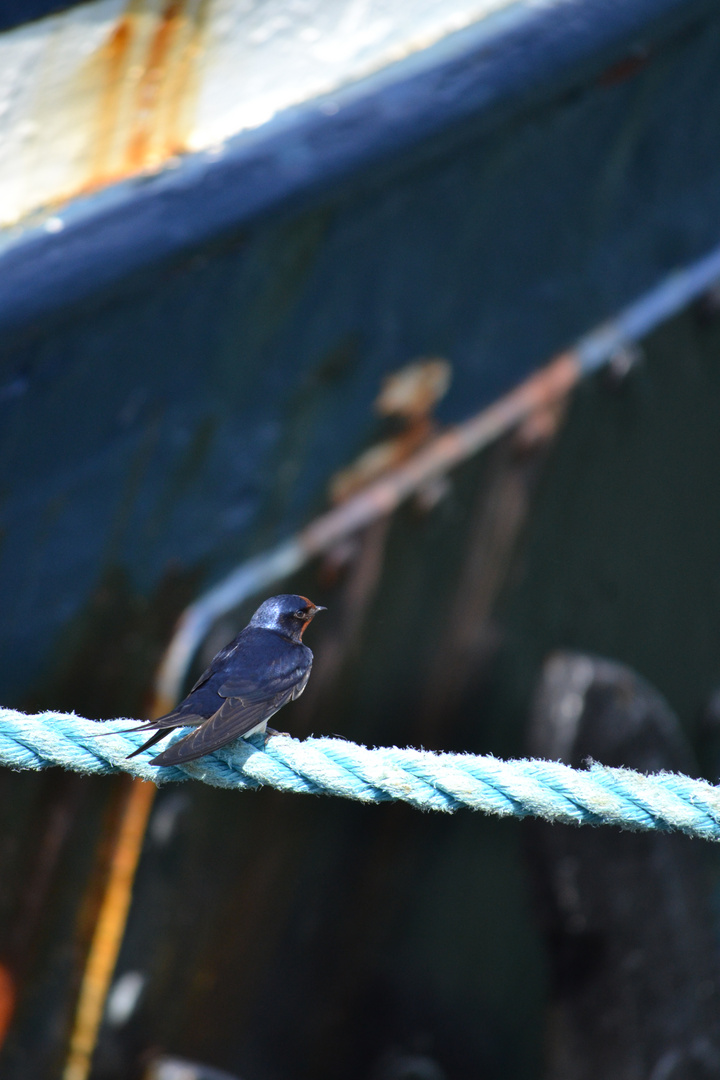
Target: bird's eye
column 301, row 615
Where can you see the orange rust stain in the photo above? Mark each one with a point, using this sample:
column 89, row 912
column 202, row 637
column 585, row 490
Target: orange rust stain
column 112, row 59
column 109, row 928
column 625, row 69
column 151, row 85
column 414, row 390
column 182, row 83
column 117, row 48
column 144, row 79
column 408, row 395
column 7, row 1001
column 379, row 459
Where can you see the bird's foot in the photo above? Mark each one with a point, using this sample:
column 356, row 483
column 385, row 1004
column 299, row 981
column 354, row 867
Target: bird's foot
column 269, row 731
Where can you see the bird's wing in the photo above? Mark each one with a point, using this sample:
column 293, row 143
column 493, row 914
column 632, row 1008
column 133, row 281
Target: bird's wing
column 233, row 719
column 251, row 677
column 216, row 663
column 263, row 682
column 299, row 687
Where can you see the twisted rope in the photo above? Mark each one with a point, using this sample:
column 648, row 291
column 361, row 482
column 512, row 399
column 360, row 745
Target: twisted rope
column 426, row 780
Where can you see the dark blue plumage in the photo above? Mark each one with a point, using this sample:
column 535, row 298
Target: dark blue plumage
column 263, row 668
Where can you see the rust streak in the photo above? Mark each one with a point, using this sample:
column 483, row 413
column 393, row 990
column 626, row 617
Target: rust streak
column 183, row 84
column 541, row 391
column 109, row 928
column 408, row 395
column 626, row 68
column 7, row 1000
column 144, row 79
column 150, row 87
column 109, row 65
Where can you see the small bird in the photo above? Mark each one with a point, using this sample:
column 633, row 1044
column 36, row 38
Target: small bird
column 262, row 669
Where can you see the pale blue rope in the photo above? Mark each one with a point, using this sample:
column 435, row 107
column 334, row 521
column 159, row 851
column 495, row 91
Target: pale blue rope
column 426, row 780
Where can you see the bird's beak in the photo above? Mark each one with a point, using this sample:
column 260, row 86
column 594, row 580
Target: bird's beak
column 315, row 610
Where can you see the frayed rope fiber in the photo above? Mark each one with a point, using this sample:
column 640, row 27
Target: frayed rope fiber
column 426, row 780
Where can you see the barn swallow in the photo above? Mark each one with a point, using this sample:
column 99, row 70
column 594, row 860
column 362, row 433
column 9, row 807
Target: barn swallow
column 262, row 669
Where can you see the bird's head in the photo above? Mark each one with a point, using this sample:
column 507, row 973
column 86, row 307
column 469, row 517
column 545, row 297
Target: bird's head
column 287, row 614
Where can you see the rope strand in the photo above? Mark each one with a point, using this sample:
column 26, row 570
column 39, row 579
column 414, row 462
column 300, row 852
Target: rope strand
column 426, row 780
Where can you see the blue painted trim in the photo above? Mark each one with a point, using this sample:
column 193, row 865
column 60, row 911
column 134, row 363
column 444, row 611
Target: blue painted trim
column 667, row 299
column 480, row 73
column 19, row 12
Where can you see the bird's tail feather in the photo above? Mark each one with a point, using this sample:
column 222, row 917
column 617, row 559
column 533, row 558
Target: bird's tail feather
column 173, row 719
column 150, row 742
column 123, row 731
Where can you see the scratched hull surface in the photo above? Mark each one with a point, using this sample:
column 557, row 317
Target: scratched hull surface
column 187, row 359
column 195, row 413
